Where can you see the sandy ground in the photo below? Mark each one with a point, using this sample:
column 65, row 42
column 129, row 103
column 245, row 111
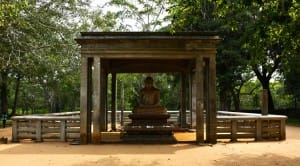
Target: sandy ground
column 229, row 154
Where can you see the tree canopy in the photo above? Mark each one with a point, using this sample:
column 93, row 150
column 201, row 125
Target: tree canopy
column 37, row 47
column 260, row 34
column 39, row 59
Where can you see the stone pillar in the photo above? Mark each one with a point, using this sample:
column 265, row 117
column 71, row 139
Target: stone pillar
column 113, row 101
column 63, row 130
column 183, row 101
column 199, row 100
column 211, row 110
column 122, row 104
column 103, row 96
column 85, row 112
column 193, row 99
column 96, row 133
column 15, row 133
column 206, row 87
column 90, row 98
column 38, row 131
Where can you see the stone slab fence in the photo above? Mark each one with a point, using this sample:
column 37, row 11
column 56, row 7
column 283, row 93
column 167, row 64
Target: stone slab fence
column 59, row 126
column 237, row 125
column 230, row 125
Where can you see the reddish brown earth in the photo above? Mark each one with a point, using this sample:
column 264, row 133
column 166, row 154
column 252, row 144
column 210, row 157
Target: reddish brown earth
column 229, row 154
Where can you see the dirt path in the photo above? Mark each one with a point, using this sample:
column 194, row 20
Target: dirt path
column 228, row 154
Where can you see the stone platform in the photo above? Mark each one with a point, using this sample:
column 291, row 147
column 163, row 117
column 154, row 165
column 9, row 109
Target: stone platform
column 149, row 134
column 121, row 137
column 149, row 119
column 166, row 129
column 148, row 127
column 149, row 130
column 148, row 139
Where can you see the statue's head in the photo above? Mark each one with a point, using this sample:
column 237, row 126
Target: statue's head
column 148, row 82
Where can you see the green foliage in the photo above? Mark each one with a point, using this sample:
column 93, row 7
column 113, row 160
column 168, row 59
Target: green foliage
column 194, row 15
column 282, row 100
column 232, row 64
column 292, row 78
column 250, row 95
column 261, row 34
column 97, row 20
column 9, row 10
column 143, row 15
column 37, row 45
column 267, row 36
column 269, row 32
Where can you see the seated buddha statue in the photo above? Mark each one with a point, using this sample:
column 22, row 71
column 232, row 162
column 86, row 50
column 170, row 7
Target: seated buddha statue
column 149, row 101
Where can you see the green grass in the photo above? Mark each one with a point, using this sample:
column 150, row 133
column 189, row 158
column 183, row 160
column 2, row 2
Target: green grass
column 293, row 121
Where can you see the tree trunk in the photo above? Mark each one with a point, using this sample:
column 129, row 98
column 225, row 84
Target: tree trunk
column 225, row 100
column 264, row 79
column 14, row 108
column 4, row 93
column 266, row 85
column 57, row 104
column 236, row 100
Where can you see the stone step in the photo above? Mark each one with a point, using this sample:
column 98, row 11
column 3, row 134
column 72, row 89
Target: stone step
column 148, row 139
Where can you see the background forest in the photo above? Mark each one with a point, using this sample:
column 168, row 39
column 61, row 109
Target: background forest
column 40, row 60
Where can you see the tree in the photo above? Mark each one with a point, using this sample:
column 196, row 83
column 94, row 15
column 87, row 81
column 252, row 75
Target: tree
column 292, row 79
column 145, row 15
column 267, row 39
column 195, row 15
column 232, row 69
column 33, row 32
column 9, row 47
column 97, row 20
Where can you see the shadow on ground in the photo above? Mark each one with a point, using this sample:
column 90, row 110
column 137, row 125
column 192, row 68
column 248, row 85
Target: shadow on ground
column 259, row 160
column 106, row 149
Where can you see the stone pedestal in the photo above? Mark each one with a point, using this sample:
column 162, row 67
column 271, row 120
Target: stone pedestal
column 149, row 128
column 149, row 119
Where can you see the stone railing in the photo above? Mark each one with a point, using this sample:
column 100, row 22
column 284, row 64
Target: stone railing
column 62, row 126
column 59, row 126
column 236, row 125
column 230, row 125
